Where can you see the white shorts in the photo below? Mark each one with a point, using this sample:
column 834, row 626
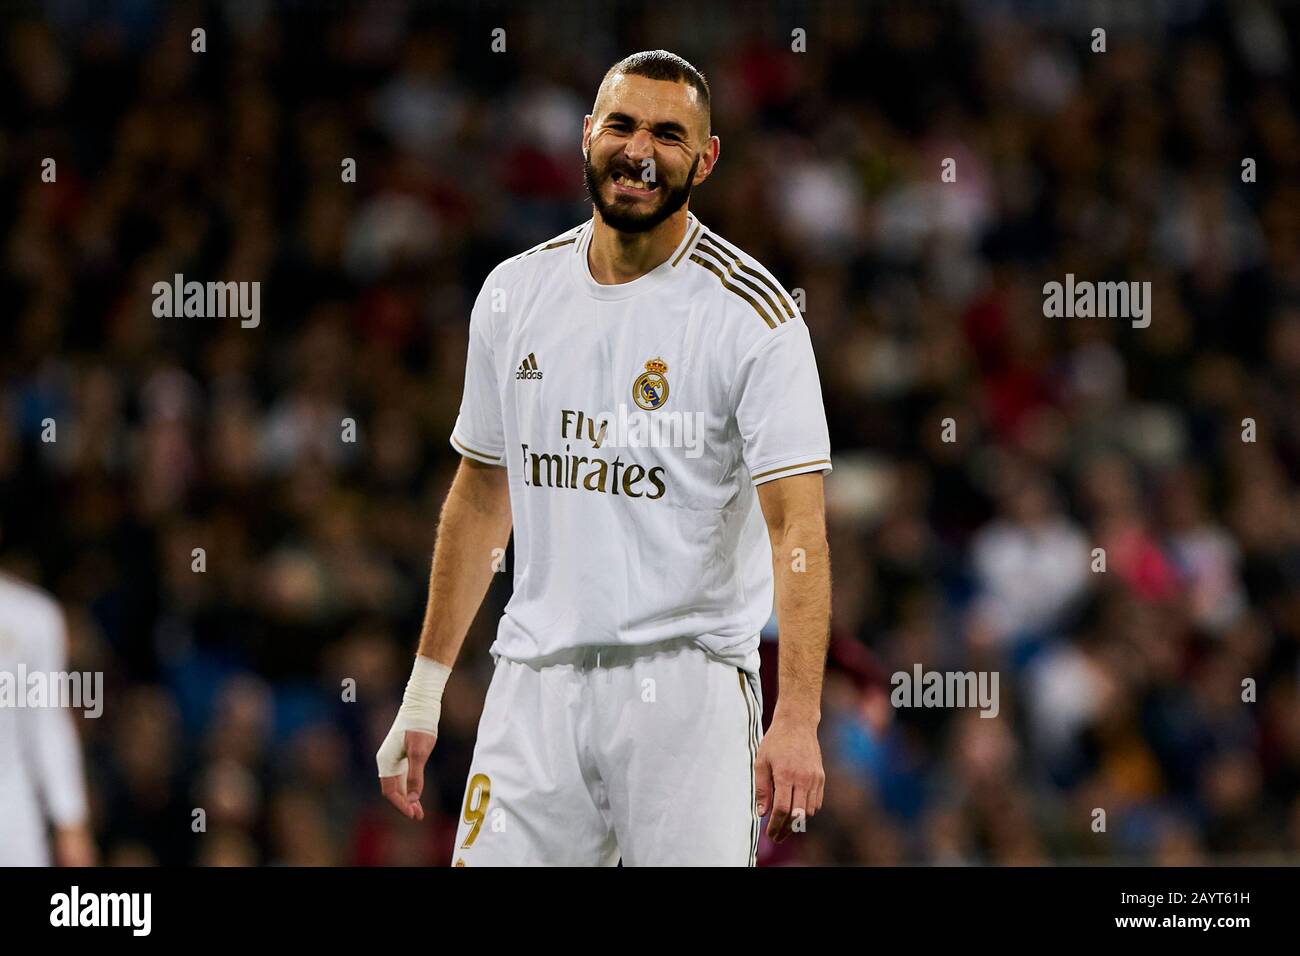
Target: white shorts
column 644, row 754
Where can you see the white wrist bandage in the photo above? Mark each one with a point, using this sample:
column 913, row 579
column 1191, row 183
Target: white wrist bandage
column 421, row 707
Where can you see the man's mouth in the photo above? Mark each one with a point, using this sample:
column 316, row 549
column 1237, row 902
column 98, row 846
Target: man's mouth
column 624, row 182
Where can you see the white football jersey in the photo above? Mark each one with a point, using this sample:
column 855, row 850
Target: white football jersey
column 41, row 777
column 635, row 421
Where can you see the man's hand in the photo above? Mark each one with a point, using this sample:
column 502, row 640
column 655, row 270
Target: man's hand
column 410, row 740
column 403, row 789
column 788, row 774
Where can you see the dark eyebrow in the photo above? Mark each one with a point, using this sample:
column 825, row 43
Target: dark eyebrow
column 667, row 126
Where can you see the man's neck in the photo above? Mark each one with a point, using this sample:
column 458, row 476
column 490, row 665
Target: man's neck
column 616, row 257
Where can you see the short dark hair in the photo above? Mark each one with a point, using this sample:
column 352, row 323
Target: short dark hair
column 662, row 65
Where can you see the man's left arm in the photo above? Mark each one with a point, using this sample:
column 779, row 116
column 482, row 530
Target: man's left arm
column 788, row 770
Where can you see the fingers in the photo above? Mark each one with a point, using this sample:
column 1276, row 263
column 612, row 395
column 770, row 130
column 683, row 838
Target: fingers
column 819, row 793
column 798, row 796
column 799, row 808
column 403, row 787
column 418, row 745
column 762, row 783
column 782, row 803
column 394, row 790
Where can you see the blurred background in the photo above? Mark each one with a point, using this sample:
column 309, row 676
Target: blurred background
column 1120, row 690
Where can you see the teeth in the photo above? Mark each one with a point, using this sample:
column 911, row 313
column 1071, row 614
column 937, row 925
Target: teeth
column 630, row 183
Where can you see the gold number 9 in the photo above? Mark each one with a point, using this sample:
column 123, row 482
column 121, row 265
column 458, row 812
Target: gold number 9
column 476, row 810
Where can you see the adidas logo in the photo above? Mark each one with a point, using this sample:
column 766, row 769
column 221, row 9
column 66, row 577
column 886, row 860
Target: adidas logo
column 528, row 368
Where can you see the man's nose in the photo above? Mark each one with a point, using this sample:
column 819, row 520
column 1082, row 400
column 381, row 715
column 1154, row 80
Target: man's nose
column 640, row 145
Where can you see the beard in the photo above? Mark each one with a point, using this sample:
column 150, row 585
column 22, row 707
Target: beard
column 619, row 214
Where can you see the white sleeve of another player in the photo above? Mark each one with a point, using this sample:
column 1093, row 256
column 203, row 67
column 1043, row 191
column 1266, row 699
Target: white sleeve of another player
column 56, row 750
column 478, row 433
column 777, row 398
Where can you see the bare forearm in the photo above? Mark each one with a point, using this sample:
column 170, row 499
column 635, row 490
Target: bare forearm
column 475, row 522
column 802, row 572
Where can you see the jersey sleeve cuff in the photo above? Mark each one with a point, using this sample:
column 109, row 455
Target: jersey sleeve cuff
column 478, row 452
column 790, row 466
column 68, row 810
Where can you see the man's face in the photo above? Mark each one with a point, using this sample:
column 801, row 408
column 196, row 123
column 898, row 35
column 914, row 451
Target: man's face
column 644, row 143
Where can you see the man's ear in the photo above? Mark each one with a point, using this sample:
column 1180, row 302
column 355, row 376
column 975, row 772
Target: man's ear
column 712, row 150
column 586, row 135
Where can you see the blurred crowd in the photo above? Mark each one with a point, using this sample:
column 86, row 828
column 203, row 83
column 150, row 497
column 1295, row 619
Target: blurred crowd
column 1162, row 687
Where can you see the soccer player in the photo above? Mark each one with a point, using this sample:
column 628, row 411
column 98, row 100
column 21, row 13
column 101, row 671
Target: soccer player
column 642, row 401
column 41, row 781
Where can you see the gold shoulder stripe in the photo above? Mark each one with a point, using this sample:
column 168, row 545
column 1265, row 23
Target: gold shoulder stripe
column 465, row 448
column 754, row 272
column 777, row 471
column 687, row 246
column 736, row 289
column 731, row 271
column 552, row 245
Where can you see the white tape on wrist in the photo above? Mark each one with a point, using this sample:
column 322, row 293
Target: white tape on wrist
column 420, row 710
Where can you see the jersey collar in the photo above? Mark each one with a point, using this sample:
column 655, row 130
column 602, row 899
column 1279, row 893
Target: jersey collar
column 624, row 290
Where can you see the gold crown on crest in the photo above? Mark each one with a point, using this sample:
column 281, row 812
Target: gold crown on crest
column 656, row 365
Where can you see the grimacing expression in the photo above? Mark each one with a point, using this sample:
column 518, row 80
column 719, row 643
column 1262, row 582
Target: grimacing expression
column 639, row 119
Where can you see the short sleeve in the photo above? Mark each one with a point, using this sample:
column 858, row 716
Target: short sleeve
column 777, row 398
column 478, row 433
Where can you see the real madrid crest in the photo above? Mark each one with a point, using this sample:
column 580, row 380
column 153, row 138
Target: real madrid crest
column 650, row 390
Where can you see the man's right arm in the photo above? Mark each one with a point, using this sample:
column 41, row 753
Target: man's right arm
column 475, row 521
